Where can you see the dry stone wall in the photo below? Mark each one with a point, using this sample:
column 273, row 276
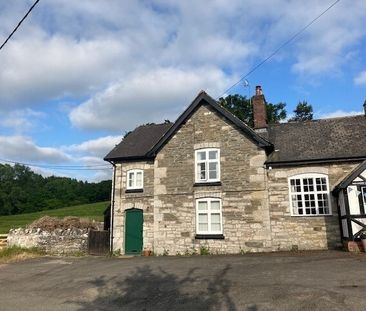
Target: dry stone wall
column 58, row 241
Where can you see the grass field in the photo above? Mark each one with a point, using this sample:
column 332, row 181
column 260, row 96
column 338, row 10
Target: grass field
column 92, row 211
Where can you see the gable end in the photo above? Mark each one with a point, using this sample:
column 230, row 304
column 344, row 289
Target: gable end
column 200, row 100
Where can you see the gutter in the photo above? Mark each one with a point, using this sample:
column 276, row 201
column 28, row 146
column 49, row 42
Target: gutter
column 112, row 207
column 314, row 161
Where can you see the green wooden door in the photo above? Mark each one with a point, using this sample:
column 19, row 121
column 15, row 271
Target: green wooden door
column 133, row 234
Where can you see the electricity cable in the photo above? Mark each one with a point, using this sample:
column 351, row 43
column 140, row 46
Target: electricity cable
column 21, row 21
column 292, row 38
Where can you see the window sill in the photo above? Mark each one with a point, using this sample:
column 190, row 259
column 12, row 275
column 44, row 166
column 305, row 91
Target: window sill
column 209, row 237
column 320, row 215
column 134, row 190
column 203, row 184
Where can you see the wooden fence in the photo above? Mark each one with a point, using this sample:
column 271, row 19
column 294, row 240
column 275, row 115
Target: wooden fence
column 3, row 240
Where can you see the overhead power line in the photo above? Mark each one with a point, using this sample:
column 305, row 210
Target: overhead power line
column 97, row 167
column 21, row 21
column 292, row 38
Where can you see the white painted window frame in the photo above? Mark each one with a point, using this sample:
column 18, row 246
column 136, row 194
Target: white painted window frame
column 209, row 212
column 207, row 161
column 134, row 179
column 315, row 192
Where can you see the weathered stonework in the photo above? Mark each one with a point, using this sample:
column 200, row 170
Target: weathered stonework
column 168, row 200
column 256, row 212
column 304, row 232
column 59, row 241
column 124, row 201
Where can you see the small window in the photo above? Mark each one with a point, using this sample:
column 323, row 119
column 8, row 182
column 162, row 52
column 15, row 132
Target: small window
column 208, row 216
column 135, row 179
column 309, row 195
column 207, row 165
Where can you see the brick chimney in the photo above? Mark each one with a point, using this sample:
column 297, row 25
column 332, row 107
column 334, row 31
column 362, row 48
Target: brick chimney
column 259, row 110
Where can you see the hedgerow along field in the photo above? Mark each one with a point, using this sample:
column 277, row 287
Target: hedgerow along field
column 91, row 211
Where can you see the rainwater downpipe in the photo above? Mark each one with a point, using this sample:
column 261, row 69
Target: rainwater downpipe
column 112, row 207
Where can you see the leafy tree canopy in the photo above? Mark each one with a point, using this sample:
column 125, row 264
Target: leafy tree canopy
column 303, row 112
column 23, row 191
column 241, row 107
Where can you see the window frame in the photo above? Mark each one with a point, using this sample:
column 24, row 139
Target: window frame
column 209, row 212
column 207, row 161
column 315, row 192
column 363, row 193
column 134, row 179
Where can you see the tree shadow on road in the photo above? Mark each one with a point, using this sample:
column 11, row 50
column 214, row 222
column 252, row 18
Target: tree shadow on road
column 146, row 289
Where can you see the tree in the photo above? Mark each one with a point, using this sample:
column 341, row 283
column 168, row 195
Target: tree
column 303, row 112
column 241, row 107
column 276, row 112
column 23, row 191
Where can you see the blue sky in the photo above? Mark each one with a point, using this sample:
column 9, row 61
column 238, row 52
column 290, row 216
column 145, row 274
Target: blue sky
column 79, row 74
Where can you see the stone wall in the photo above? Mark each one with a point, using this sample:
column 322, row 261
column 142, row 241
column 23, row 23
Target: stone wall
column 256, row 212
column 125, row 200
column 169, row 196
column 303, row 232
column 59, row 241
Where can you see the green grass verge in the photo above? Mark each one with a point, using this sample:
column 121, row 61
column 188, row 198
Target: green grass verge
column 16, row 253
column 92, row 211
column 9, row 252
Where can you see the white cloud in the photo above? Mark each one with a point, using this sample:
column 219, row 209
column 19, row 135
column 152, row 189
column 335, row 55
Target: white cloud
column 40, row 68
column 360, row 79
column 97, row 148
column 148, row 97
column 85, row 48
column 22, row 149
column 338, row 113
column 83, row 161
column 21, row 120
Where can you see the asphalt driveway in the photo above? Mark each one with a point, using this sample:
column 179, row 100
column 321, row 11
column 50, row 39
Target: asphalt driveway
column 283, row 281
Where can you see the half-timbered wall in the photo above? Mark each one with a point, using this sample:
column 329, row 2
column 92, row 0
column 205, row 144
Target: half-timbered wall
column 352, row 204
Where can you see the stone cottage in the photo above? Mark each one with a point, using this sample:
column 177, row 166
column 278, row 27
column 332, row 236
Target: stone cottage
column 210, row 181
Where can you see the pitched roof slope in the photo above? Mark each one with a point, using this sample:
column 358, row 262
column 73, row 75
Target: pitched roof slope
column 139, row 142
column 350, row 177
column 318, row 140
column 204, row 98
column 146, row 141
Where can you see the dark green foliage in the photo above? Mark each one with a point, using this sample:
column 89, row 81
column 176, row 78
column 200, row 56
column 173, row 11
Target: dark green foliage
column 303, row 112
column 276, row 112
column 241, row 107
column 23, row 191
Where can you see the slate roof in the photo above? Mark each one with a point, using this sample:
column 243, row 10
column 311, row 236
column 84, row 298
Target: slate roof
column 139, row 142
column 294, row 143
column 146, row 141
column 324, row 140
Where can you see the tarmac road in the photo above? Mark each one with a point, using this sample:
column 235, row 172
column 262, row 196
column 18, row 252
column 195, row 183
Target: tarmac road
column 330, row 280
